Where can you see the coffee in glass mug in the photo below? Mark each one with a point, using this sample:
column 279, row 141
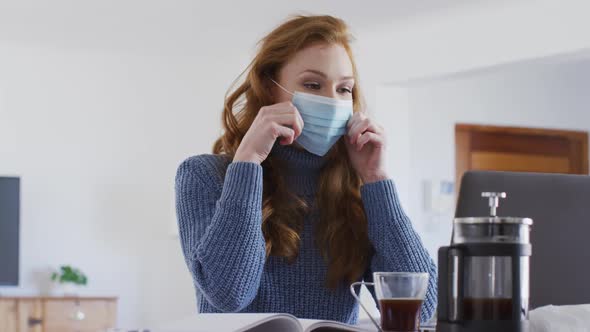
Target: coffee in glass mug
column 400, row 296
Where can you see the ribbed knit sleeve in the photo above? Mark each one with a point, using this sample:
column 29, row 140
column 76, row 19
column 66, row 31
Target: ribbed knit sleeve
column 397, row 246
column 219, row 220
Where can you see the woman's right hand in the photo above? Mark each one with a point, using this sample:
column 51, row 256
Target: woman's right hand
column 271, row 122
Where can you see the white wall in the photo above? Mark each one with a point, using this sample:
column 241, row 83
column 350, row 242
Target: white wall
column 477, row 35
column 96, row 138
column 543, row 94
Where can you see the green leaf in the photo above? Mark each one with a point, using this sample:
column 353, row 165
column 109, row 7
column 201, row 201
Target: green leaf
column 70, row 274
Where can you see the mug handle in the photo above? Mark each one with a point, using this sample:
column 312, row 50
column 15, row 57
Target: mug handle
column 361, row 303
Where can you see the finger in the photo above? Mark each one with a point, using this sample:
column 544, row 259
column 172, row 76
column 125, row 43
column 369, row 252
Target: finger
column 288, row 108
column 351, row 123
column 286, row 133
column 284, row 107
column 291, row 119
column 353, row 119
column 376, row 139
column 300, row 121
column 366, row 124
column 358, row 128
column 287, row 104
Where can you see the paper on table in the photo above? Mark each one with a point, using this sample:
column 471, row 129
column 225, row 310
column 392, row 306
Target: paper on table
column 220, row 322
column 560, row 318
column 362, row 325
column 257, row 322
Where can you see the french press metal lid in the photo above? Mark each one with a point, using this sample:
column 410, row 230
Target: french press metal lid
column 491, row 229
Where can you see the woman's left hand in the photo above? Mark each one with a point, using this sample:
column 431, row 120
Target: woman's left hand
column 366, row 142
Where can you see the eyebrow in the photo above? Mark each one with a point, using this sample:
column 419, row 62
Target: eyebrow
column 317, row 72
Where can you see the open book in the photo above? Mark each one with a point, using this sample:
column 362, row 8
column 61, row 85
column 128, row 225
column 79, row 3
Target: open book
column 262, row 322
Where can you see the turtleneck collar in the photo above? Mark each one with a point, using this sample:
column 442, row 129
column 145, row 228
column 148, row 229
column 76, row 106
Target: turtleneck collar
column 298, row 160
column 302, row 167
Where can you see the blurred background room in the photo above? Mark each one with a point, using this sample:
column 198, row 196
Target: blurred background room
column 101, row 100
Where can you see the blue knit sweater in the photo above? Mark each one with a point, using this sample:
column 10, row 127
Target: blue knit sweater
column 218, row 205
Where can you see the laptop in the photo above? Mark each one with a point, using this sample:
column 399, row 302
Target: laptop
column 559, row 205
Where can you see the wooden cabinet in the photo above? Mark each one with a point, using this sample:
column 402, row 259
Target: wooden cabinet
column 57, row 314
column 491, row 148
column 8, row 316
column 28, row 317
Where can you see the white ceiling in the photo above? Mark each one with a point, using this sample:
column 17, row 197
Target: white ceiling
column 183, row 27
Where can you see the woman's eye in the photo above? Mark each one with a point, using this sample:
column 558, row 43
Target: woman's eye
column 312, row 85
column 345, row 90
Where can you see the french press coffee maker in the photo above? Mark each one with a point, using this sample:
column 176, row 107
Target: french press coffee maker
column 483, row 275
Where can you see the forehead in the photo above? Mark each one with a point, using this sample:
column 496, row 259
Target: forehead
column 331, row 59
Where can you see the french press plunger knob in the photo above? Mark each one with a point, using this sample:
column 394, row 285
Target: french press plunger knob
column 494, row 200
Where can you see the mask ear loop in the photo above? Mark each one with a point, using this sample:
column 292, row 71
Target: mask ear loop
column 280, row 86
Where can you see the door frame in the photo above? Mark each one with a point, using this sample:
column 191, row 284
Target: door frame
column 463, row 142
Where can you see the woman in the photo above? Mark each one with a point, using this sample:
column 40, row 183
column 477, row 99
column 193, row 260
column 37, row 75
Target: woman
column 295, row 203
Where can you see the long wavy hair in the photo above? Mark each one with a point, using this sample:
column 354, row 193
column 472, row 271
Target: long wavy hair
column 341, row 233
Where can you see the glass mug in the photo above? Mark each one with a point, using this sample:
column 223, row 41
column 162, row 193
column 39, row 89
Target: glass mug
column 400, row 296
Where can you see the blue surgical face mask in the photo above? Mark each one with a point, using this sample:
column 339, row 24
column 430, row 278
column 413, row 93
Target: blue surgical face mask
column 324, row 120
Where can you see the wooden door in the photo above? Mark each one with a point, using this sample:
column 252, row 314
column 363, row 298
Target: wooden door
column 515, row 149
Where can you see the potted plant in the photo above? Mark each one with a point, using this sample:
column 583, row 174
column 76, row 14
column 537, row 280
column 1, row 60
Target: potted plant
column 69, row 280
